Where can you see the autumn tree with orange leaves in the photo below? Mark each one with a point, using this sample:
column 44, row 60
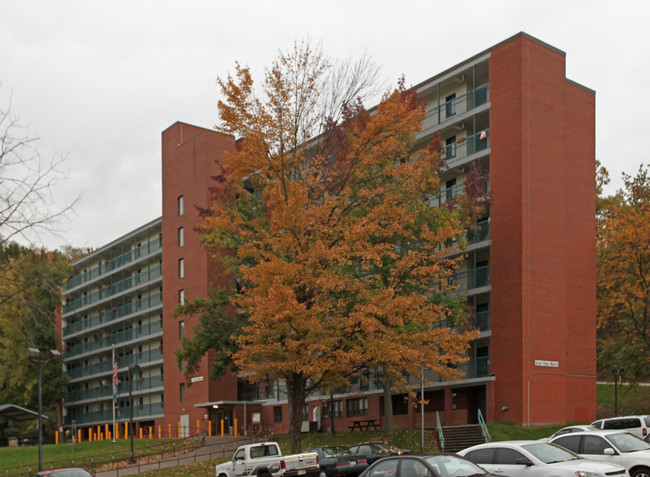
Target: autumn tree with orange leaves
column 623, row 284
column 343, row 264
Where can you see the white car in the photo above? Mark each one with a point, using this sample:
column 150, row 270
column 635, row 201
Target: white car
column 614, row 447
column 637, row 425
column 568, row 430
column 537, row 459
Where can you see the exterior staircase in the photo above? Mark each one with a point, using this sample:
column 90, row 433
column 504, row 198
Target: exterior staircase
column 460, row 437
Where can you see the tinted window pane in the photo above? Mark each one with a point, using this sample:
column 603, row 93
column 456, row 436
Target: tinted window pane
column 594, row 445
column 508, row 456
column 482, row 456
column 385, row 468
column 413, row 468
column 569, row 442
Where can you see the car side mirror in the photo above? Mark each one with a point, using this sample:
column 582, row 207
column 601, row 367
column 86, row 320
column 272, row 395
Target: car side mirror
column 524, row 461
column 609, row 451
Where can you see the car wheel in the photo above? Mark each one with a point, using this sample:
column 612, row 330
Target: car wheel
column 640, row 472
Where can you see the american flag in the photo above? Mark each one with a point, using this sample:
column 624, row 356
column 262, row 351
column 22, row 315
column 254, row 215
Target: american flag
column 115, row 381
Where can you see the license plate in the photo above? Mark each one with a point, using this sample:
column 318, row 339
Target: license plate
column 353, row 462
column 302, row 472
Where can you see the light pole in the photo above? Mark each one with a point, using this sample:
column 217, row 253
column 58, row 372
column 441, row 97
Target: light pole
column 34, row 355
column 132, row 368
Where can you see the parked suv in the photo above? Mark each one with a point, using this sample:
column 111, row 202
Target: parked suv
column 637, row 425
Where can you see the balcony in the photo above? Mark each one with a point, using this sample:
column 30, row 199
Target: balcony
column 470, row 279
column 456, row 107
column 482, row 320
column 110, row 265
column 105, row 392
column 476, row 367
column 106, row 416
column 467, row 146
column 111, row 290
column 480, row 233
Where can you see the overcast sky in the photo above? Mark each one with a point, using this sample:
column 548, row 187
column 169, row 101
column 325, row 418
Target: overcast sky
column 101, row 80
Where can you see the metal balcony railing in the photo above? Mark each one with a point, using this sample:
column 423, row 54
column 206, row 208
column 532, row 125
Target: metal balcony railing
column 467, row 146
column 449, row 110
column 109, row 265
column 106, row 416
column 469, row 279
column 110, row 290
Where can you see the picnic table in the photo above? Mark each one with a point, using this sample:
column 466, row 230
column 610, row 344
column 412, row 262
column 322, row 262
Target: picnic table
column 363, row 424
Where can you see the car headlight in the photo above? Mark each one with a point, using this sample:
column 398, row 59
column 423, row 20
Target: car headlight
column 584, row 473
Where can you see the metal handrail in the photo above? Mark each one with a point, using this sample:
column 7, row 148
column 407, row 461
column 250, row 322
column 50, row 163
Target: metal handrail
column 484, row 429
column 441, row 436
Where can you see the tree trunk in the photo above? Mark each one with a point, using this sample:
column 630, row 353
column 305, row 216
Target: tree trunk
column 296, row 395
column 388, row 410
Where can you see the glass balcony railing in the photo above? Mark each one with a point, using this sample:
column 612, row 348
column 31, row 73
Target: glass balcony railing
column 105, row 317
column 482, row 320
column 110, row 290
column 139, row 385
column 476, row 367
column 469, row 279
column 467, row 146
column 106, row 416
column 480, row 233
column 449, row 110
column 110, row 265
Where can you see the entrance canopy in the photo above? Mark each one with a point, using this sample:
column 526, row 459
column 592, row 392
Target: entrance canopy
column 17, row 413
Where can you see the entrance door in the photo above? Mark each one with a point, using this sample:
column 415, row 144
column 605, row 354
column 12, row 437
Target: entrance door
column 185, row 425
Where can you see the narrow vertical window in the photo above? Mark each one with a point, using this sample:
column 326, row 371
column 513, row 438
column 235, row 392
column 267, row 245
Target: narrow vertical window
column 181, row 297
column 181, row 206
column 181, row 237
column 450, row 104
column 181, row 330
column 181, row 267
column 181, row 392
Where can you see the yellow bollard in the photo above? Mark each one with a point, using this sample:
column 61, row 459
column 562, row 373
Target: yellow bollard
column 170, row 430
column 159, row 432
column 126, row 430
column 140, row 433
column 235, row 427
column 90, row 434
column 210, row 428
column 98, row 433
column 117, row 431
column 221, row 427
column 56, row 437
column 179, row 429
column 107, row 432
column 79, row 433
column 150, row 432
column 109, row 435
column 198, row 427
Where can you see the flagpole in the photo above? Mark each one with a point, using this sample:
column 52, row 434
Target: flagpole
column 114, row 392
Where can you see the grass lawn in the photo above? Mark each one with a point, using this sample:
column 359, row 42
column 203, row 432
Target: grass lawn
column 61, row 455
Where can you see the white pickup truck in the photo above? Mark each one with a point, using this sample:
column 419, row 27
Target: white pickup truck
column 265, row 459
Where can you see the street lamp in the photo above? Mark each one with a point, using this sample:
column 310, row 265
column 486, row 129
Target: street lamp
column 132, row 368
column 34, row 354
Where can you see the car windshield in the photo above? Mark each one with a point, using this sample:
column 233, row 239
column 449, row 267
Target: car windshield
column 550, row 453
column 449, row 465
column 333, row 451
column 627, row 442
column 383, row 448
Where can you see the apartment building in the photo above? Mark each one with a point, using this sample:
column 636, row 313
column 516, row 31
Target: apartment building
column 529, row 272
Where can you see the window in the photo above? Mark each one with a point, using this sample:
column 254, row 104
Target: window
column 449, row 191
column 334, row 409
column 509, row 456
column 181, row 237
column 450, row 147
column 277, row 414
column 357, row 407
column 482, row 456
column 181, row 267
column 569, row 442
column 594, row 445
column 181, row 297
column 181, row 392
column 181, row 205
column 450, row 105
column 181, row 329
column 384, row 468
